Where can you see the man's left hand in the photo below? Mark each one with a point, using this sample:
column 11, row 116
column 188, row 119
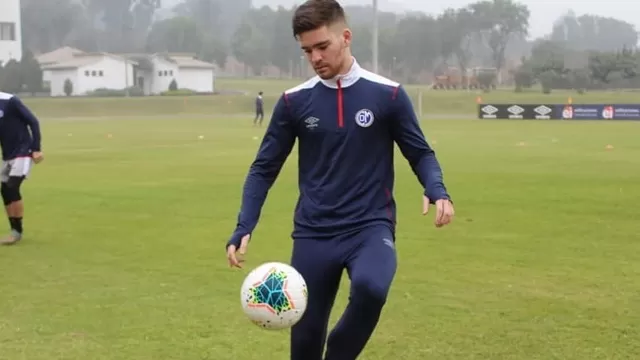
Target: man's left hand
column 37, row 157
column 444, row 211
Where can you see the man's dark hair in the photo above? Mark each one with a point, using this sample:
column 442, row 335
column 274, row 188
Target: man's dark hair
column 314, row 14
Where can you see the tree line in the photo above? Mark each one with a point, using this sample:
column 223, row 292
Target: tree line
column 413, row 47
column 559, row 65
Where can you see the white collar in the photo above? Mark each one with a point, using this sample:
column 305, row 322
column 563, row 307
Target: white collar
column 347, row 79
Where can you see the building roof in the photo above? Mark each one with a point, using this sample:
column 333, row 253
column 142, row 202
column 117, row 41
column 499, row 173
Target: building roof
column 184, row 60
column 191, row 63
column 72, row 63
column 83, row 59
column 68, row 58
column 62, row 54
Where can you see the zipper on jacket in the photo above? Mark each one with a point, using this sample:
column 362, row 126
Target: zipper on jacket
column 340, row 106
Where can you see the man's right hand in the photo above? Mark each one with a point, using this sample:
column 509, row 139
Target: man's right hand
column 37, row 157
column 444, row 209
column 235, row 255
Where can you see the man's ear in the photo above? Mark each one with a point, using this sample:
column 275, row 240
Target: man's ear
column 346, row 37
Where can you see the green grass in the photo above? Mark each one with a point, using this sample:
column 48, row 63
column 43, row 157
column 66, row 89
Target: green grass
column 458, row 103
column 124, row 253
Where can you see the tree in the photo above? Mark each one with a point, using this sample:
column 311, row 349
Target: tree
column 31, row 72
column 12, row 77
column 121, row 19
column 388, row 49
column 418, row 36
column 602, row 65
column 234, row 11
column 548, row 56
column 361, row 45
column 68, row 87
column 205, row 13
column 580, row 79
column 284, row 53
column 498, row 21
column 458, row 28
column 629, row 63
column 241, row 44
column 178, row 34
column 592, row 32
column 261, row 22
column 450, row 34
column 48, row 24
column 215, row 50
column 524, row 76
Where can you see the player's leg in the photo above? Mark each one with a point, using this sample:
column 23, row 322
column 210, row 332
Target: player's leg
column 322, row 271
column 4, row 177
column 14, row 206
column 12, row 197
column 255, row 119
column 371, row 268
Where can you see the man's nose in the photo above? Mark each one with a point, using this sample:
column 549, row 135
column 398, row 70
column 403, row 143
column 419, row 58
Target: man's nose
column 316, row 56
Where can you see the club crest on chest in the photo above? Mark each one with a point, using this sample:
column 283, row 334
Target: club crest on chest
column 364, row 118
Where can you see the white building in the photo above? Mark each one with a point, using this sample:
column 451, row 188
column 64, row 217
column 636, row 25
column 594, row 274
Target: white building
column 56, row 56
column 89, row 72
column 151, row 73
column 10, row 31
column 188, row 72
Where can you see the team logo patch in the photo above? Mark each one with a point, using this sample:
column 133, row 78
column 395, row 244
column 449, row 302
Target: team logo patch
column 364, row 118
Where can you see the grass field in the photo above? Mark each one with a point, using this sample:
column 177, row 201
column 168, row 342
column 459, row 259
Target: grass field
column 435, row 103
column 128, row 216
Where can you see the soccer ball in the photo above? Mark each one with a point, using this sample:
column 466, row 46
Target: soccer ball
column 274, row 296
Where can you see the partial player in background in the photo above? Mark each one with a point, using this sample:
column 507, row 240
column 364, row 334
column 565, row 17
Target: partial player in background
column 20, row 143
column 345, row 121
column 259, row 110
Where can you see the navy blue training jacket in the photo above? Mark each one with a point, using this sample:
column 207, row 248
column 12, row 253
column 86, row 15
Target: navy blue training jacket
column 19, row 128
column 346, row 130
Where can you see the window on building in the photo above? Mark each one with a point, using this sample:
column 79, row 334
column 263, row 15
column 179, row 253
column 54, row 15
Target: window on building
column 93, row 73
column 100, row 73
column 87, row 73
column 7, row 31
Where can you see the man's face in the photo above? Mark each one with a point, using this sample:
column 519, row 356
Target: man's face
column 325, row 49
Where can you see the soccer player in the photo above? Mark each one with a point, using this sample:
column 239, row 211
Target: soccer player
column 20, row 143
column 259, row 110
column 346, row 120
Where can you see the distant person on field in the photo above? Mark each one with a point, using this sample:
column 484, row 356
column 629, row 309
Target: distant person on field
column 345, row 122
column 20, row 143
column 259, row 110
